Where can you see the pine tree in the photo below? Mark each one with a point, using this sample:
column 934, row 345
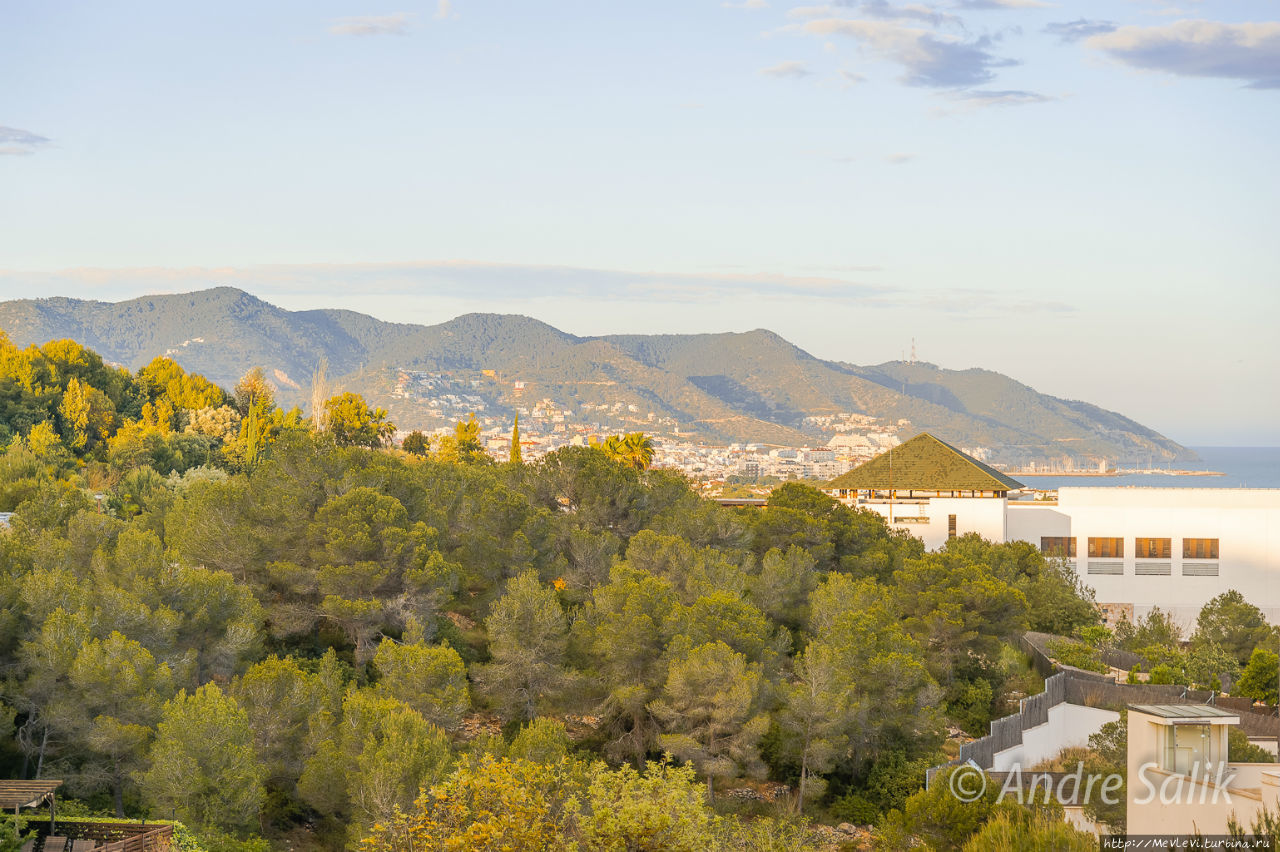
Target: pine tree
column 515, row 442
column 203, row 764
column 710, row 708
column 528, row 638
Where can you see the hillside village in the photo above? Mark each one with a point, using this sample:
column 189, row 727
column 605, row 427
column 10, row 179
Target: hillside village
column 714, row 389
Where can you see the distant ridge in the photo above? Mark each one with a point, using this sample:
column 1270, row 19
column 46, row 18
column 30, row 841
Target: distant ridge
column 753, row 386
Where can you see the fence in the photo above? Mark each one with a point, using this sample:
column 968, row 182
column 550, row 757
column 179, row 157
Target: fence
column 159, row 839
column 1254, row 721
column 115, row 836
column 1007, row 732
column 1036, row 645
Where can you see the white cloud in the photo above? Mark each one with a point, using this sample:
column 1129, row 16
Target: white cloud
column 899, row 158
column 746, row 4
column 373, row 25
column 1248, row 51
column 444, row 10
column 792, row 68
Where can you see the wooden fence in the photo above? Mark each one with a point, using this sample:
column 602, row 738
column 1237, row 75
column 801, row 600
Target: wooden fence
column 115, row 836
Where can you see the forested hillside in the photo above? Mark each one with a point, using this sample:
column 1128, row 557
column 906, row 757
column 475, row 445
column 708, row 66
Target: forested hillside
column 753, row 386
column 274, row 626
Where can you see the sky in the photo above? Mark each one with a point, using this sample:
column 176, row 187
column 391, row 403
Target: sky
column 1082, row 195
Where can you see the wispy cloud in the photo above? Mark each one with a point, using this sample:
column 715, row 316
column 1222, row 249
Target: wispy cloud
column 373, row 25
column 1004, row 4
column 458, row 279
column 480, row 286
column 746, row 4
column 885, row 11
column 811, row 11
column 899, row 159
column 444, row 10
column 927, row 58
column 1248, row 51
column 979, row 98
column 15, row 142
column 1078, row 29
column 792, row 68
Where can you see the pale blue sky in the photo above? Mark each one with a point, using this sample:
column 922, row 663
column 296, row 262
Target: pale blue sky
column 1083, row 195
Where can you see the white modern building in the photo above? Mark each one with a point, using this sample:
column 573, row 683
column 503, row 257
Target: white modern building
column 1180, row 778
column 1138, row 548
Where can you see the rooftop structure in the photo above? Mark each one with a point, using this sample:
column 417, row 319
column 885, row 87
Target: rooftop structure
column 1190, row 713
column 928, row 466
column 26, row 794
column 1181, row 777
column 16, row 794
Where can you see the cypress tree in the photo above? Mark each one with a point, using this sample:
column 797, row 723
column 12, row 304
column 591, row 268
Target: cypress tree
column 515, row 442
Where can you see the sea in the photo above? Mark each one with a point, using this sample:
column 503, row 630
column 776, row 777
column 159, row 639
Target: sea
column 1242, row 467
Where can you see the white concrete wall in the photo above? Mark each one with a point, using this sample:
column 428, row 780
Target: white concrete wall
column 1245, row 521
column 1076, row 817
column 983, row 515
column 1268, row 743
column 1069, row 726
column 1028, row 520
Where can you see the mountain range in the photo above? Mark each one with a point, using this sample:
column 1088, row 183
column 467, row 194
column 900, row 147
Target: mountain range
column 752, row 386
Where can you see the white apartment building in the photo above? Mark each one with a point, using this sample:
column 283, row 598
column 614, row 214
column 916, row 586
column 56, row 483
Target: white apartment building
column 1137, row 548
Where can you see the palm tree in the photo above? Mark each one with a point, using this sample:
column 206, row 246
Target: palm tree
column 637, row 449
column 614, row 449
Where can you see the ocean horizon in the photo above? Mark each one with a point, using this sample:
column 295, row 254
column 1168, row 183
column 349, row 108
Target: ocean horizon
column 1241, row 467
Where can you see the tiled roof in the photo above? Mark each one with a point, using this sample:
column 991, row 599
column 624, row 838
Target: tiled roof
column 925, row 464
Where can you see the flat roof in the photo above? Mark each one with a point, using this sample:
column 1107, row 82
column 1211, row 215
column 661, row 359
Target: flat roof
column 1184, row 711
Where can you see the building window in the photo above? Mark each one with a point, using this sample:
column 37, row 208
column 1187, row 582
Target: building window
column 1058, row 545
column 1199, row 548
column 1186, row 746
column 1106, row 548
column 1153, row 548
column 951, row 526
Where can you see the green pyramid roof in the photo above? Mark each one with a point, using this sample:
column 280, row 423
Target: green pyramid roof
column 925, row 464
